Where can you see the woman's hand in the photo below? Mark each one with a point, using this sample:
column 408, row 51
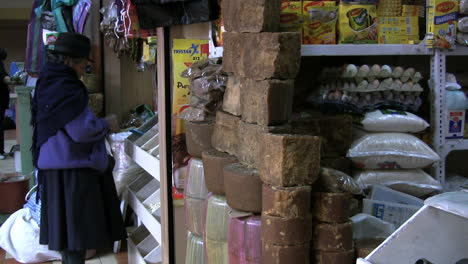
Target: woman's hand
column 113, row 123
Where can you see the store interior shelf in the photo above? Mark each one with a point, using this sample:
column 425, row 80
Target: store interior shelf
column 148, row 219
column 142, row 247
column 364, row 50
column 145, row 160
column 458, row 51
column 453, row 145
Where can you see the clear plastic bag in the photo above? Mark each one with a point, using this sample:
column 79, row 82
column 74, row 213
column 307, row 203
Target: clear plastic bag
column 463, row 7
column 414, row 182
column 391, row 151
column 336, row 181
column 368, row 226
column 393, row 121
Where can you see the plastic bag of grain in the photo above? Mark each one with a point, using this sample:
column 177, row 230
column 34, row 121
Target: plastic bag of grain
column 414, row 182
column 391, row 151
column 393, row 121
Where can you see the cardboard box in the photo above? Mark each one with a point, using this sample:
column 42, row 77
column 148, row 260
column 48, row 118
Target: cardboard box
column 320, row 19
column 357, row 24
column 442, row 23
column 291, row 18
column 398, row 30
column 412, row 10
column 455, row 124
column 394, row 213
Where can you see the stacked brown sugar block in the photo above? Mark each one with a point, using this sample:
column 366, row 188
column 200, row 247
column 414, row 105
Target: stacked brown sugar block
column 332, row 241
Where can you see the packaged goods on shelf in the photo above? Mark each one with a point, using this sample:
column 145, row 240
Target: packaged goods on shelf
column 411, row 10
column 413, row 182
column 357, row 23
column 463, row 25
column 389, row 8
column 391, row 151
column 393, row 121
column 463, row 7
column 345, row 90
column 320, row 18
column 442, row 23
column 195, row 250
column 398, row 30
column 244, row 240
column 291, row 16
column 455, row 124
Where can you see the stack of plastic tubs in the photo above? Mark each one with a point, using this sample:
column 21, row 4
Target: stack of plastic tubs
column 195, row 194
column 244, row 240
column 216, row 230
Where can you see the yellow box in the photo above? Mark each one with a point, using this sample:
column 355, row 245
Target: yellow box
column 442, row 23
column 394, row 39
column 357, row 24
column 398, row 26
column 291, row 16
column 320, row 19
column 412, row 10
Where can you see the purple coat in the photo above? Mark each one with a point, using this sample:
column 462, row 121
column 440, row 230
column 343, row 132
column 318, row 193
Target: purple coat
column 79, row 145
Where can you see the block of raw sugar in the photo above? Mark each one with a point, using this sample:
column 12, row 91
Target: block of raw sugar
column 331, row 207
column 267, row 102
column 213, row 164
column 289, row 160
column 232, row 96
column 286, row 231
column 279, row 58
column 198, row 137
column 286, row 202
column 251, row 15
column 338, row 257
column 277, row 254
column 225, row 135
column 333, row 237
column 243, row 188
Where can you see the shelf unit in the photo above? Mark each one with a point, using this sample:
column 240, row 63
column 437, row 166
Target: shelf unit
column 151, row 222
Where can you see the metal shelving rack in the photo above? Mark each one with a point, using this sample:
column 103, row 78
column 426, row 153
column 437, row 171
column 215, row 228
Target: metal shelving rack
column 438, row 70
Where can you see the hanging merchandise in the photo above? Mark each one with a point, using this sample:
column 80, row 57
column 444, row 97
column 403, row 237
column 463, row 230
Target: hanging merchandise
column 291, row 17
column 153, row 15
column 207, row 86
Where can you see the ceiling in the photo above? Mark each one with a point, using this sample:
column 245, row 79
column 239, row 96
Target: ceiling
column 16, row 3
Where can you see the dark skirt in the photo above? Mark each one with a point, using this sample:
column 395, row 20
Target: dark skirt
column 80, row 210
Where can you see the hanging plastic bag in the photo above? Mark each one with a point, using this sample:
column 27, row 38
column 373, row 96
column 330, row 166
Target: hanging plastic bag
column 336, row 181
column 19, row 237
column 456, row 100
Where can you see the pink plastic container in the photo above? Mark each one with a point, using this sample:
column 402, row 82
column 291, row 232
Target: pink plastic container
column 245, row 240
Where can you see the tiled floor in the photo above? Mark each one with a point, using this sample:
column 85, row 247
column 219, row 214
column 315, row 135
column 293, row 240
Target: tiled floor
column 100, row 258
column 8, row 166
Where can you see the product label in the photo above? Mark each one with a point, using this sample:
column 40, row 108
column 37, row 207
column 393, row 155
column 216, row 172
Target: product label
column 320, row 22
column 456, row 124
column 357, row 24
column 291, row 16
column 442, row 23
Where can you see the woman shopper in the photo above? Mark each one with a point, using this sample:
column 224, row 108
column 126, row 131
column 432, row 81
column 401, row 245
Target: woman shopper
column 4, row 99
column 80, row 207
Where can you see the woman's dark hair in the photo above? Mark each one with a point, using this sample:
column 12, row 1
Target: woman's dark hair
column 3, row 54
column 60, row 58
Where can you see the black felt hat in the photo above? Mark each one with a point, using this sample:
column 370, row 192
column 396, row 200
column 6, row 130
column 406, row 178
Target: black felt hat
column 72, row 44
